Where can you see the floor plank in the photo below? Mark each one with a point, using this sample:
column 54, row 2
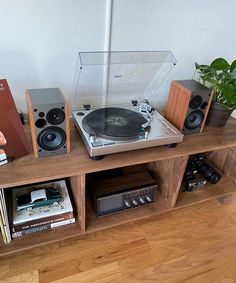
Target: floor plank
column 103, row 274
column 29, row 277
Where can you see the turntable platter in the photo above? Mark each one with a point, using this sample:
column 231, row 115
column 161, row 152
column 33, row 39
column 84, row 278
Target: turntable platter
column 115, row 124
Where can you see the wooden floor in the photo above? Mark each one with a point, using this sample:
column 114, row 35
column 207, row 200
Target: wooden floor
column 193, row 244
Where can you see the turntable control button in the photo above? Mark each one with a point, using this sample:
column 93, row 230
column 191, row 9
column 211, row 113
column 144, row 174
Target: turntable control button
column 142, row 201
column 135, row 203
column 148, row 199
column 92, row 138
column 96, row 143
column 127, row 204
column 108, row 143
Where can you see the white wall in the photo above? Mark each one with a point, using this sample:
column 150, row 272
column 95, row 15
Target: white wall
column 40, row 39
column 194, row 30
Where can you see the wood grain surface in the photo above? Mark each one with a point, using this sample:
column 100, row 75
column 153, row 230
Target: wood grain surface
column 177, row 104
column 225, row 161
column 167, row 166
column 31, row 124
column 230, row 164
column 193, row 244
column 169, row 174
column 78, row 191
column 78, row 161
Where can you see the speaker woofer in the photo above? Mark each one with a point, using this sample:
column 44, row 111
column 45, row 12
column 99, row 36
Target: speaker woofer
column 55, row 116
column 194, row 120
column 51, row 138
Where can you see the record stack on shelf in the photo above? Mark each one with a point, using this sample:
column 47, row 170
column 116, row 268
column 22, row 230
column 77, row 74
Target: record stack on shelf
column 40, row 207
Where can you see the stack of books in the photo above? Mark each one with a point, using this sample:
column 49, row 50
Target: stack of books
column 40, row 207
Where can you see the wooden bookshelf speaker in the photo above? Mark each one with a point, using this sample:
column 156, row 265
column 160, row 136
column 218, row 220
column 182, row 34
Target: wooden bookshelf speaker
column 188, row 105
column 49, row 121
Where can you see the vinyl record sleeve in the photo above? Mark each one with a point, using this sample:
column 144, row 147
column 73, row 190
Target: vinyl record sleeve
column 10, row 124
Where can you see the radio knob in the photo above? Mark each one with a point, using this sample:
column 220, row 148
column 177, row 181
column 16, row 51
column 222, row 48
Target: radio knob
column 127, row 204
column 135, row 202
column 148, row 199
column 141, row 200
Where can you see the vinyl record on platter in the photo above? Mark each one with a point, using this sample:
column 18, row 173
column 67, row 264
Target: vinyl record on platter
column 113, row 123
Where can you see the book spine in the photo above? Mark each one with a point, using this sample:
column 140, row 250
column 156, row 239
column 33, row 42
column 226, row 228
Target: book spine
column 42, row 228
column 42, row 221
column 2, row 162
column 4, row 215
column 3, row 230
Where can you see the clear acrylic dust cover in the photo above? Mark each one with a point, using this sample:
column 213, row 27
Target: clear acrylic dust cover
column 118, row 77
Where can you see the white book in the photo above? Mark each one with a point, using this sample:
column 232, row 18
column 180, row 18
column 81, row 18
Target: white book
column 24, row 215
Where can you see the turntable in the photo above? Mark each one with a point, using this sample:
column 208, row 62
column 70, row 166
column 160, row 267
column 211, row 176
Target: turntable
column 104, row 80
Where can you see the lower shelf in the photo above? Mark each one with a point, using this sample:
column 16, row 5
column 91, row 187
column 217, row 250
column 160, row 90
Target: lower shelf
column 40, row 238
column 93, row 223
column 224, row 187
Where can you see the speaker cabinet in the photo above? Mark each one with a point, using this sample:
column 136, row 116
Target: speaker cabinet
column 11, row 127
column 188, row 105
column 49, row 121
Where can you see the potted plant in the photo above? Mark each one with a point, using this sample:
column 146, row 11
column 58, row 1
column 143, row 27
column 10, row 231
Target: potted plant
column 220, row 76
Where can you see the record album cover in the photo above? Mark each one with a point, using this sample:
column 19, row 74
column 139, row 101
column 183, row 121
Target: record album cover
column 10, row 124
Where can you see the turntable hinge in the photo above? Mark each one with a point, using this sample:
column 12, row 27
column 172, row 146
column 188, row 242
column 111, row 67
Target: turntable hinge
column 87, row 106
column 134, row 102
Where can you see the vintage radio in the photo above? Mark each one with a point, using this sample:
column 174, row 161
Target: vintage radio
column 123, row 192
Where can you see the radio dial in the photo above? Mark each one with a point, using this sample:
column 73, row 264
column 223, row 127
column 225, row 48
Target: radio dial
column 148, row 199
column 127, row 204
column 142, row 201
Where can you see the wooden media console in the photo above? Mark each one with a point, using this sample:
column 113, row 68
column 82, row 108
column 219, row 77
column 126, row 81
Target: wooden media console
column 167, row 166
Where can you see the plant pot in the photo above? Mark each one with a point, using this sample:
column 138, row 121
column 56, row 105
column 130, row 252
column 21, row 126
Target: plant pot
column 218, row 115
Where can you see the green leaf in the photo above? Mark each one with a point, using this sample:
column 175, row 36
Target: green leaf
column 201, row 68
column 197, row 65
column 233, row 66
column 220, row 64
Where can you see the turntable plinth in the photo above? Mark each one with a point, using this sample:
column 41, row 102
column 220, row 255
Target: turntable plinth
column 167, row 165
